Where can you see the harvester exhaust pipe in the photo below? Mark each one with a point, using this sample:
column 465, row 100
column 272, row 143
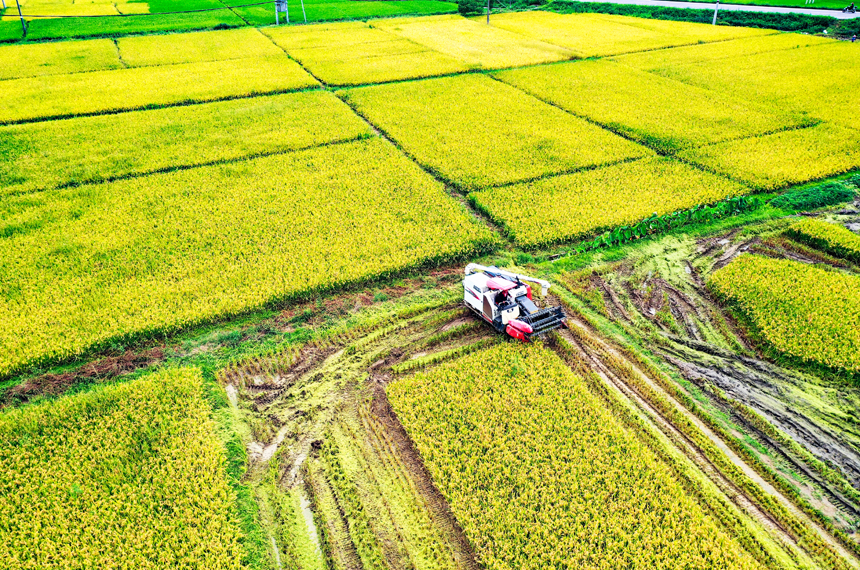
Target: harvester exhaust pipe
column 544, row 285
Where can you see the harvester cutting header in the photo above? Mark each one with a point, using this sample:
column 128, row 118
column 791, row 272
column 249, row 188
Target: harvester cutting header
column 504, row 300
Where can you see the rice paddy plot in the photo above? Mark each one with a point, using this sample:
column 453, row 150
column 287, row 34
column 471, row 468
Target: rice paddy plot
column 654, row 110
column 591, row 35
column 34, row 60
column 477, row 44
column 354, row 55
column 783, row 159
column 803, row 310
column 85, row 266
column 477, row 132
column 835, row 239
column 125, row 89
column 655, row 60
column 123, row 476
column 564, row 207
column 541, row 474
column 219, row 45
column 91, row 149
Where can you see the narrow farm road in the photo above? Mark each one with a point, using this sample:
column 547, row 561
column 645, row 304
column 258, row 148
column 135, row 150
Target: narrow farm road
column 740, row 7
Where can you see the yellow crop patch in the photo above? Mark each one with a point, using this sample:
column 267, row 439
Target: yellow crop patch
column 783, row 159
column 56, row 58
column 661, row 59
column 106, row 147
column 123, row 476
column 219, row 45
column 477, row 132
column 590, row 35
column 541, row 474
column 832, row 238
column 85, row 265
column 652, row 109
column 122, row 89
column 810, row 313
column 322, row 35
column 354, row 55
column 568, row 206
column 477, row 44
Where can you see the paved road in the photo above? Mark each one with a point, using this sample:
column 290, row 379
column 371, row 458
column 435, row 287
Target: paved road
column 740, row 7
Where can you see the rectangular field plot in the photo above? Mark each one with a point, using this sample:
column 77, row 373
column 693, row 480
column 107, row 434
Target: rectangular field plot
column 125, row 89
column 124, row 476
column 477, row 44
column 783, row 159
column 84, row 265
column 590, row 35
column 808, row 312
column 654, row 110
column 819, row 80
column 477, row 132
column 92, row 149
column 220, row 45
column 541, row 474
column 33, row 60
column 353, row 55
column 564, row 207
column 661, row 59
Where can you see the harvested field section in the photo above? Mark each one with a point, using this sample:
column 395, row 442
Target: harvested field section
column 655, row 60
column 126, row 89
column 124, row 476
column 477, row 132
column 35, row 60
column 563, row 207
column 477, row 44
column 164, row 251
column 810, row 313
column 219, row 45
column 654, row 110
column 783, row 159
column 592, row 35
column 92, row 149
column 356, row 56
column 540, row 474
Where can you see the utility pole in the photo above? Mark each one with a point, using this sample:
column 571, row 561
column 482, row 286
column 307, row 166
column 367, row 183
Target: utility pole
column 23, row 25
column 716, row 9
column 488, row 12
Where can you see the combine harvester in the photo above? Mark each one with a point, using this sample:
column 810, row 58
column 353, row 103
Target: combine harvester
column 503, row 299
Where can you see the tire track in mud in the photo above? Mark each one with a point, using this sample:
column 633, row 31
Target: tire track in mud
column 741, row 498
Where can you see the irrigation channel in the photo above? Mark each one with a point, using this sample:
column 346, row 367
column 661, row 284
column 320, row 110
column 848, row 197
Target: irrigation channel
column 770, row 451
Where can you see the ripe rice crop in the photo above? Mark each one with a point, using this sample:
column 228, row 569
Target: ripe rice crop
column 540, row 474
column 590, row 35
column 85, row 265
column 819, row 80
column 573, row 205
column 803, row 310
column 477, row 44
column 219, row 45
column 126, row 89
column 832, row 238
column 124, row 476
column 477, row 132
column 92, row 149
column 783, row 159
column 654, row 110
column 32, row 60
column 356, row 56
column 661, row 59
column 322, row 35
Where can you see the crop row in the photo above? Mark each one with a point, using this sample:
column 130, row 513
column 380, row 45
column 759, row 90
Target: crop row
column 806, row 311
column 156, row 253
column 125, row 476
column 832, row 238
column 540, row 474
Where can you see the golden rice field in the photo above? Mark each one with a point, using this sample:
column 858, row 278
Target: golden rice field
column 126, row 476
column 541, row 475
column 832, row 238
column 806, row 311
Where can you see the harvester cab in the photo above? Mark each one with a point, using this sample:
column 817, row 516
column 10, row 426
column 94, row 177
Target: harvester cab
column 504, row 300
